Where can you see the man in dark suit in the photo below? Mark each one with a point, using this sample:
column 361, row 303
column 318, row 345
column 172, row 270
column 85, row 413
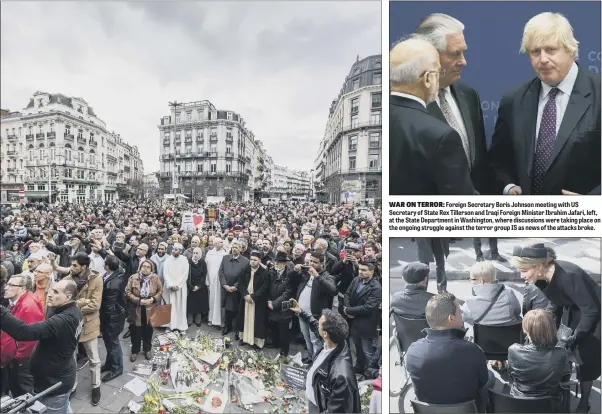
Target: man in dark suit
column 547, row 136
column 457, row 104
column 434, row 249
column 426, row 154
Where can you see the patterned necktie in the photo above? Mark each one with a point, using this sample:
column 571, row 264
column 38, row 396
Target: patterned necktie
column 453, row 122
column 545, row 141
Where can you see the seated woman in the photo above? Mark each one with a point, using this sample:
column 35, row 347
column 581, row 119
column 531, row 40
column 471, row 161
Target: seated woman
column 537, row 368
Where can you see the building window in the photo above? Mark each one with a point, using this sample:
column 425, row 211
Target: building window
column 352, row 163
column 213, row 148
column 356, row 83
column 51, row 127
column 177, row 118
column 228, row 167
column 374, row 140
column 31, row 187
column 355, row 105
column 376, row 100
column 213, row 167
column 229, row 116
column 68, row 173
column 354, row 122
column 353, row 143
column 373, row 160
column 166, row 136
column 377, row 78
column 188, row 166
column 42, row 187
column 189, row 116
column 228, row 150
column 199, row 167
column 375, row 118
column 30, row 131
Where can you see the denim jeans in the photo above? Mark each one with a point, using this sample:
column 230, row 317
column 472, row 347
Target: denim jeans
column 312, row 342
column 114, row 359
column 57, row 404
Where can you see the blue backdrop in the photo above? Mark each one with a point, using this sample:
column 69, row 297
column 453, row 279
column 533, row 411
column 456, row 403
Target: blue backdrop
column 493, row 34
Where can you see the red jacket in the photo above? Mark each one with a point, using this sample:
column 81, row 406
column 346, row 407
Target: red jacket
column 29, row 309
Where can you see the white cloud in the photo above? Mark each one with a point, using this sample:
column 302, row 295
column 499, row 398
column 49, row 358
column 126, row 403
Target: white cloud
column 278, row 64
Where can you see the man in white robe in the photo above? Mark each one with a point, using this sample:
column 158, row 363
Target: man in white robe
column 214, row 258
column 175, row 290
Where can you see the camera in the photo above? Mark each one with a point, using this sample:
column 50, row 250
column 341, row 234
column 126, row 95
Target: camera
column 305, row 268
column 286, row 305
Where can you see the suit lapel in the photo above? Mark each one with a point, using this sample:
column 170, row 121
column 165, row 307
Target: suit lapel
column 530, row 100
column 578, row 104
column 464, row 111
column 435, row 111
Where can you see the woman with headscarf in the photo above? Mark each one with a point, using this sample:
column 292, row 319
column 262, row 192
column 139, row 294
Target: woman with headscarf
column 144, row 290
column 576, row 299
column 198, row 288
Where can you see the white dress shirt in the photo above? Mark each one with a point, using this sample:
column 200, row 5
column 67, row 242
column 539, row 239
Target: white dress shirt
column 562, row 101
column 455, row 110
column 412, row 97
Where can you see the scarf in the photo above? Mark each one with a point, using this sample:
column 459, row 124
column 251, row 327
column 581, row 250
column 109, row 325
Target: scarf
column 80, row 281
column 144, row 288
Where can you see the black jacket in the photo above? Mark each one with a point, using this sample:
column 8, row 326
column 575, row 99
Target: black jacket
column 445, row 368
column 331, row 260
column 344, row 272
column 52, row 360
column 281, row 289
column 364, row 307
column 411, row 301
column 334, row 382
column 323, row 291
column 112, row 307
column 469, row 104
column 536, row 373
column 426, row 156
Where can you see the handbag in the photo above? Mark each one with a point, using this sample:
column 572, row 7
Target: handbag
column 564, row 331
column 159, row 315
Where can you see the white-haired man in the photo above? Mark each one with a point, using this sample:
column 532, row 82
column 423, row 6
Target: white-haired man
column 457, row 104
column 426, row 154
column 547, row 135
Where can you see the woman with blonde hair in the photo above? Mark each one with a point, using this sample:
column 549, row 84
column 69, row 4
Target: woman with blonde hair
column 537, row 368
column 576, row 299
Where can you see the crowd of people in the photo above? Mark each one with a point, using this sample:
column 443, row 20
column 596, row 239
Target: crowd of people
column 559, row 319
column 76, row 273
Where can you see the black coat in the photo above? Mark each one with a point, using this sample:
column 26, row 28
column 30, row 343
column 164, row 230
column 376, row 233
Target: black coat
column 261, row 287
column 575, row 160
column 198, row 302
column 426, row 156
column 52, row 360
column 411, row 301
column 344, row 273
column 469, row 104
column 112, row 307
column 323, row 291
column 334, row 382
column 364, row 307
column 572, row 288
column 281, row 289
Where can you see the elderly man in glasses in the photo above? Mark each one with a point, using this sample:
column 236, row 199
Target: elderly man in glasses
column 15, row 355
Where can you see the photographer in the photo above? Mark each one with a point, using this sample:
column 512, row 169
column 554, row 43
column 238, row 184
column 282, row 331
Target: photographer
column 347, row 270
column 331, row 385
column 315, row 293
column 52, row 360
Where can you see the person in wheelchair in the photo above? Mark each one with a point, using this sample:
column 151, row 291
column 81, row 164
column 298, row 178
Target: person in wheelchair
column 537, row 368
column 411, row 301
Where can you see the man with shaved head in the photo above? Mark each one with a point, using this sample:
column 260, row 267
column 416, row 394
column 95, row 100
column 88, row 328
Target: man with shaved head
column 426, row 154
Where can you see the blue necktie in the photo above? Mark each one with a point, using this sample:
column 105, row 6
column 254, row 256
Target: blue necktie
column 545, row 141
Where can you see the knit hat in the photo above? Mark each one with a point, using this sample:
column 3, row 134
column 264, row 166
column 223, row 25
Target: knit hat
column 415, row 272
column 178, row 246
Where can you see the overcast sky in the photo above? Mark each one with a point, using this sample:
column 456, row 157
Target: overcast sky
column 278, row 64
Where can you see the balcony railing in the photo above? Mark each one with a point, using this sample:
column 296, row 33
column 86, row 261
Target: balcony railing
column 69, row 137
column 188, row 139
column 81, row 139
column 199, row 140
column 51, row 134
column 229, row 155
column 213, row 137
column 93, row 143
column 229, row 138
column 29, row 137
column 11, row 169
column 40, row 135
column 11, row 152
column 374, row 144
